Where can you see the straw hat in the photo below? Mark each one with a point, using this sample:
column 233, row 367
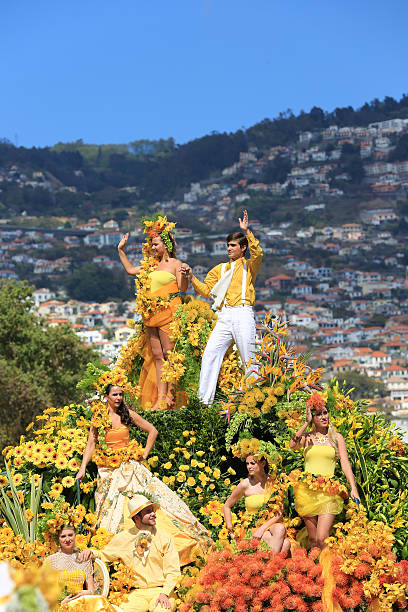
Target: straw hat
column 138, row 502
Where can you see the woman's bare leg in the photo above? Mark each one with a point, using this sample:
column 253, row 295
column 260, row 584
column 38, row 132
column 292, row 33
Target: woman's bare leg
column 275, row 537
column 311, row 526
column 158, row 356
column 167, row 345
column 324, row 524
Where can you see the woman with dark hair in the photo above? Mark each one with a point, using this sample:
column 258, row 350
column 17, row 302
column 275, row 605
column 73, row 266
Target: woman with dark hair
column 158, row 280
column 322, row 447
column 121, row 474
column 256, row 489
column 74, row 575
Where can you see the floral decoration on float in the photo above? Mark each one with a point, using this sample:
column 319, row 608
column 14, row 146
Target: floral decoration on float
column 326, row 484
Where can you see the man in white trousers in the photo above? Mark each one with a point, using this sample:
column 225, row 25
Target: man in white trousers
column 231, row 285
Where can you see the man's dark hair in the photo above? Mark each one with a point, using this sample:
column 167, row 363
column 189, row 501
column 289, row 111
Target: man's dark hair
column 240, row 238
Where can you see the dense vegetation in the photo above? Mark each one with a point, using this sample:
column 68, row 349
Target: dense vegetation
column 39, row 365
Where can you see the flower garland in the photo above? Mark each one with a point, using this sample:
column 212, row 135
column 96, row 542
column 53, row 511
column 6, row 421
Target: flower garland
column 326, row 484
column 159, row 226
column 260, row 449
column 112, row 458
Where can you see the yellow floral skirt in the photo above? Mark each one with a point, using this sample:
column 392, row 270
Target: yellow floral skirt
column 314, row 503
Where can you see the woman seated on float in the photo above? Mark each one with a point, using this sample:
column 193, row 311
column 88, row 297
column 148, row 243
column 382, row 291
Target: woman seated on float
column 120, row 474
column 323, row 446
column 158, row 286
column 257, row 489
column 73, row 575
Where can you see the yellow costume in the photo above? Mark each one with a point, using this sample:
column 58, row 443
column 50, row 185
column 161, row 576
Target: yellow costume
column 254, row 502
column 173, row 516
column 234, row 292
column 320, row 460
column 154, row 574
column 163, row 284
column 72, row 576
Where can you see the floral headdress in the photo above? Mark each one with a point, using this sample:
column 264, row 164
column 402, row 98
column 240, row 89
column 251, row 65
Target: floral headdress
column 159, row 226
column 316, row 402
column 99, row 379
column 247, row 445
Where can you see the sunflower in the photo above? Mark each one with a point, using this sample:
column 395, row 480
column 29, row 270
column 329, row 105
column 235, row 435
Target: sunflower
column 17, row 479
column 61, row 462
column 73, row 465
column 68, row 482
column 3, row 481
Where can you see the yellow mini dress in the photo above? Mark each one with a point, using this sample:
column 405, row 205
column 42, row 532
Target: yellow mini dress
column 320, row 460
column 254, row 502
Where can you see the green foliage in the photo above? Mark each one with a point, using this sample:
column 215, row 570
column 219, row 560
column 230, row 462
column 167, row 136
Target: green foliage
column 96, row 283
column 363, row 386
column 15, row 513
column 39, row 365
column 209, row 427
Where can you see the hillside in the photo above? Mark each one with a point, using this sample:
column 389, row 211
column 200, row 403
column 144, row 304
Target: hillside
column 82, row 180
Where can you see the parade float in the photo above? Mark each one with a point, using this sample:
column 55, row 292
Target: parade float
column 199, row 454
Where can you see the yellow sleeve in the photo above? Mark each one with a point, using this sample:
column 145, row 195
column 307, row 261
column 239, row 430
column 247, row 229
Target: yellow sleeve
column 256, row 254
column 113, row 550
column 171, row 567
column 212, row 277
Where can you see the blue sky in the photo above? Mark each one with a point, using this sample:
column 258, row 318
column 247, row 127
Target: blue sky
column 114, row 71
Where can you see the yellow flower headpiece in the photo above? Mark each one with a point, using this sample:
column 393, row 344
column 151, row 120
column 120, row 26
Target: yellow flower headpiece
column 258, row 448
column 159, row 226
column 116, row 377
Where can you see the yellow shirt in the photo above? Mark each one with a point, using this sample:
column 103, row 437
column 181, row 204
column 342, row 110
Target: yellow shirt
column 162, row 568
column 234, row 291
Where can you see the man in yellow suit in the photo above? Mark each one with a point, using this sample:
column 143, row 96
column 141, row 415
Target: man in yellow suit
column 152, row 555
column 231, row 285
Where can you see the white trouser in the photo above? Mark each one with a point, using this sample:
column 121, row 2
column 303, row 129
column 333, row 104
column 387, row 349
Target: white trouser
column 234, row 324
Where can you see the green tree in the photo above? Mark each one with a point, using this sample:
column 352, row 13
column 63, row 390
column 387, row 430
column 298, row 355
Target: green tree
column 39, row 365
column 364, row 386
column 98, row 284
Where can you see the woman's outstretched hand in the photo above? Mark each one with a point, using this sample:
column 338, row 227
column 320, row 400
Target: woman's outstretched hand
column 123, row 242
column 308, row 415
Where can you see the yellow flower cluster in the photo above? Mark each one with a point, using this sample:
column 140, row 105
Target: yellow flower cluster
column 173, row 368
column 55, row 445
column 18, row 553
column 147, row 303
column 112, row 458
column 41, row 578
column 368, row 544
column 188, row 472
column 231, row 374
column 132, row 348
column 213, row 511
column 327, row 484
column 259, row 400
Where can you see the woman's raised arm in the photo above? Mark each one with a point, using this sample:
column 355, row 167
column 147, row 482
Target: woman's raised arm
column 129, row 268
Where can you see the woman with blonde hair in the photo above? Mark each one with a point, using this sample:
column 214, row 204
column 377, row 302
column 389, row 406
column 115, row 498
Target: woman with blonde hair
column 322, row 446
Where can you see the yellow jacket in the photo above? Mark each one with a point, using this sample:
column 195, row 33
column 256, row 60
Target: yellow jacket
column 234, row 291
column 162, row 568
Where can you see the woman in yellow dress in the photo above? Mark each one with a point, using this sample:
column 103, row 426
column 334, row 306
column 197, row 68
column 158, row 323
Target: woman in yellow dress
column 74, row 575
column 323, row 446
column 256, row 489
column 121, row 474
column 166, row 280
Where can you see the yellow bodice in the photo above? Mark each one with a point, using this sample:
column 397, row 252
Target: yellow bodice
column 72, row 579
column 160, row 278
column 254, row 502
column 320, row 460
column 117, row 437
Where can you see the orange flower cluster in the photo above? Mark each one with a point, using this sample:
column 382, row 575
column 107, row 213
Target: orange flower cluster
column 327, row 484
column 315, row 402
column 112, row 458
column 251, row 578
